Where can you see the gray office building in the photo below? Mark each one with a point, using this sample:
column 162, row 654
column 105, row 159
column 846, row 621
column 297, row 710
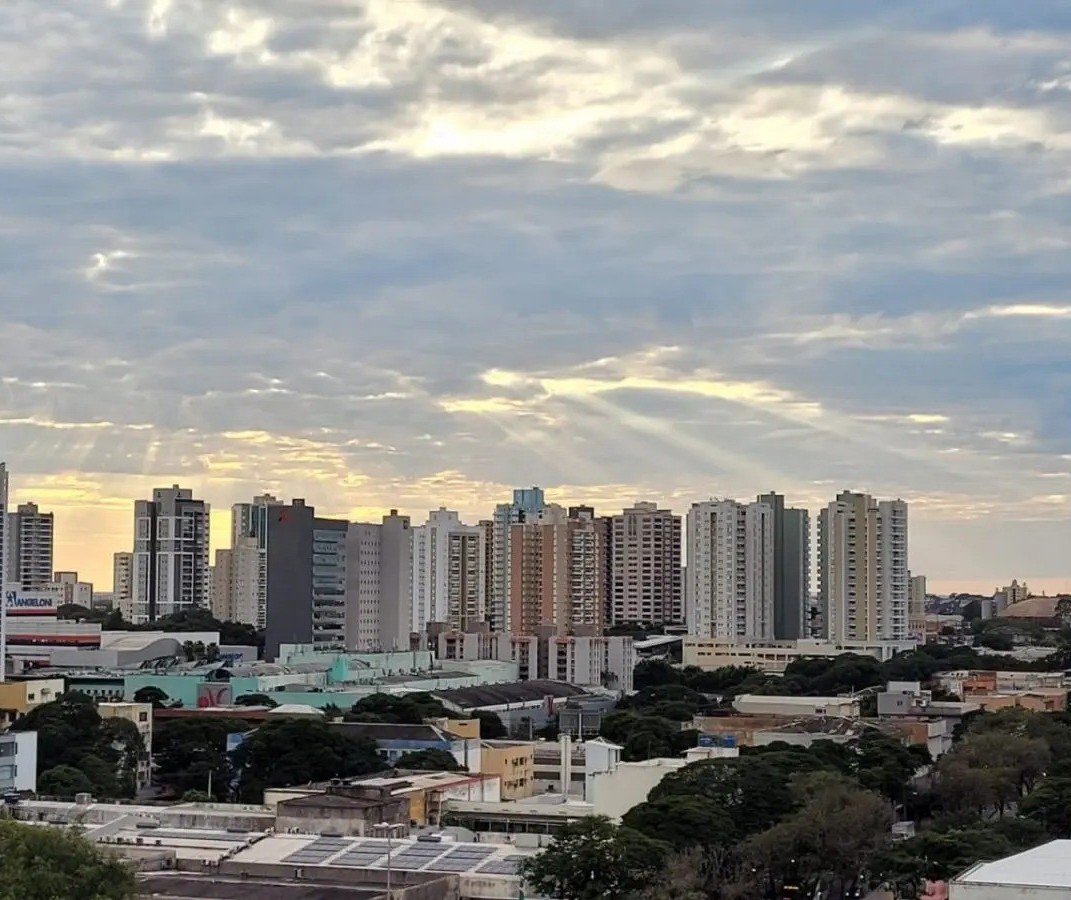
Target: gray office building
column 792, row 569
column 306, row 579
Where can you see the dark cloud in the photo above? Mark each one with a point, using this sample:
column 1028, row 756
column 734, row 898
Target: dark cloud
column 412, row 253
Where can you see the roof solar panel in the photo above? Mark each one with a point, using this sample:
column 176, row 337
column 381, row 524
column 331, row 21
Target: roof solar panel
column 451, row 865
column 506, row 865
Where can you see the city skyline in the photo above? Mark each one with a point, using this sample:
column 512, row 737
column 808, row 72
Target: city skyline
column 410, row 254
column 222, row 534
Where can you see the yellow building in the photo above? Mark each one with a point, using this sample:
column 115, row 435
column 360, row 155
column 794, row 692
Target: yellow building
column 514, row 763
column 18, row 697
column 468, row 729
column 140, row 715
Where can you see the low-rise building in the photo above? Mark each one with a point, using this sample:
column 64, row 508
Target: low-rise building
column 394, row 741
column 422, row 795
column 772, row 705
column 19, row 696
column 513, row 762
column 773, row 657
column 350, row 811
column 18, row 761
column 524, row 706
column 140, row 716
column 1043, row 873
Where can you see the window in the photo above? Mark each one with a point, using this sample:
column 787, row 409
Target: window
column 143, row 717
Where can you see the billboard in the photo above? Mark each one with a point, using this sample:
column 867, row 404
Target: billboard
column 214, row 693
column 30, row 603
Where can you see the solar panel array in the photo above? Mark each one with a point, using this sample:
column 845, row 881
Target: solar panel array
column 505, row 865
column 461, row 859
column 362, row 854
column 416, row 856
column 318, row 851
column 408, row 856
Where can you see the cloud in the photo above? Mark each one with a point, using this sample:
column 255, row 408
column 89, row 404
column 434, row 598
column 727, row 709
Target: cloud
column 398, row 254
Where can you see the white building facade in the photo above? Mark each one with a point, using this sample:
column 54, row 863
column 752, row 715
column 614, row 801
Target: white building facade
column 170, row 565
column 731, row 570
column 449, row 576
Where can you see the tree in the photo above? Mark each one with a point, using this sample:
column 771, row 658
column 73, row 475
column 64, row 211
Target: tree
column 941, row 853
column 593, row 859
column 686, row 876
column 1050, row 806
column 190, row 753
column 114, row 622
column 70, row 732
column 491, row 727
column 196, row 797
column 151, row 694
column 828, row 841
column 755, row 790
column 64, row 782
column 433, row 760
column 988, row 771
column 652, row 673
column 683, row 822
column 409, row 709
column 50, row 863
column 255, row 700
column 300, row 751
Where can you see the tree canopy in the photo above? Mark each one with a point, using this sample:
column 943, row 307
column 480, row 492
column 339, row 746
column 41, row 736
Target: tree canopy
column 72, row 735
column 407, row 709
column 55, row 864
column 190, row 753
column 433, row 760
column 593, row 859
column 299, row 751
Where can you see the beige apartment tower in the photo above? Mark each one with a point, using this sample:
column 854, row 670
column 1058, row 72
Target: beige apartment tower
column 645, row 567
column 557, row 572
column 863, row 587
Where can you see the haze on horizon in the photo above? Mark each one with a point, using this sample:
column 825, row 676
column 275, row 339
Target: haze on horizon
column 412, row 253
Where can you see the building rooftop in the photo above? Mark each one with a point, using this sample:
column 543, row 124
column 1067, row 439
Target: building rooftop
column 1046, row 866
column 176, row 886
column 505, row 694
column 389, row 731
column 371, row 853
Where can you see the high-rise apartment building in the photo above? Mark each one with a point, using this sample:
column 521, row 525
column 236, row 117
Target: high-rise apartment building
column 29, row 535
column 449, row 577
column 237, row 582
column 916, row 616
column 557, row 577
column 645, row 551
column 170, row 568
column 71, row 590
column 123, row 583
column 527, row 502
column 731, row 570
column 3, row 528
column 862, row 569
column 379, row 584
column 306, row 578
column 792, row 569
column 250, row 521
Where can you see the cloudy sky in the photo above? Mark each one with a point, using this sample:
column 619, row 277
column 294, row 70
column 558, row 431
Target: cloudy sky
column 416, row 252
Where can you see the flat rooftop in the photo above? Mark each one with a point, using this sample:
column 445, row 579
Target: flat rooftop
column 177, row 886
column 407, row 854
column 1047, row 866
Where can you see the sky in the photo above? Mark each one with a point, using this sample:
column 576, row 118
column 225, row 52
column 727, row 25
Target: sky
column 412, row 253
